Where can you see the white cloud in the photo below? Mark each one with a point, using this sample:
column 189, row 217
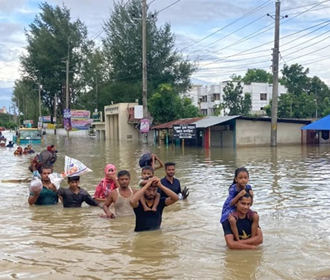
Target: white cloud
column 191, row 21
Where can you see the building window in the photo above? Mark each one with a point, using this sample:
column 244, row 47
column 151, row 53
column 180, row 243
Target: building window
column 204, row 98
column 204, row 112
column 261, row 108
column 263, row 96
column 216, row 96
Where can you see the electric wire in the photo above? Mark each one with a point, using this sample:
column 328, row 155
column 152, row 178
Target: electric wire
column 222, row 28
column 250, row 37
column 168, row 6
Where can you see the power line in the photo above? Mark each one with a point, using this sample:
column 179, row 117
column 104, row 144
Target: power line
column 254, row 35
column 222, row 28
column 168, row 6
column 309, row 53
column 227, row 35
column 298, row 7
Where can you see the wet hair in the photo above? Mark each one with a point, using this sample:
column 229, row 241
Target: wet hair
column 73, row 178
column 169, row 164
column 238, row 171
column 148, row 167
column 45, row 167
column 123, row 173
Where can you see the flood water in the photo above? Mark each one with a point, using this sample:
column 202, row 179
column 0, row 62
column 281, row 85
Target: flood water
column 292, row 197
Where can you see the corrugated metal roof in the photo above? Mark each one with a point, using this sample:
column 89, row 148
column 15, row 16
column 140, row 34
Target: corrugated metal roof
column 321, row 124
column 180, row 121
column 212, row 120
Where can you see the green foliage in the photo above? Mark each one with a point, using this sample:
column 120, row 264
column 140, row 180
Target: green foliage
column 7, row 121
column 165, row 105
column 26, row 97
column 234, row 101
column 257, row 76
column 235, row 78
column 306, row 97
column 50, row 39
column 122, row 50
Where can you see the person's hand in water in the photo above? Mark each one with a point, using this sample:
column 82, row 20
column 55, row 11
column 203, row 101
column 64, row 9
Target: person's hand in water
column 185, row 193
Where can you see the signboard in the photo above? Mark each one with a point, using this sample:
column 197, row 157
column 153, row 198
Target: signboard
column 144, row 126
column 46, row 119
column 67, row 119
column 187, row 131
column 138, row 112
column 80, row 119
column 96, row 117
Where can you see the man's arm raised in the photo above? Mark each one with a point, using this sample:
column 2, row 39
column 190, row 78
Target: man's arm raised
column 172, row 196
column 136, row 197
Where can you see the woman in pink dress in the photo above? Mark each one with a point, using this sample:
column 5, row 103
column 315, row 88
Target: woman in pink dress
column 107, row 184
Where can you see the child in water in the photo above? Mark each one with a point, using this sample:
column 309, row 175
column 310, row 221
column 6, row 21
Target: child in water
column 147, row 173
column 107, row 184
column 239, row 188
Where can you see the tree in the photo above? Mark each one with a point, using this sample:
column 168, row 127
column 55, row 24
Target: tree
column 165, row 105
column 295, row 79
column 234, row 101
column 26, row 98
column 257, row 76
column 122, row 48
column 51, row 38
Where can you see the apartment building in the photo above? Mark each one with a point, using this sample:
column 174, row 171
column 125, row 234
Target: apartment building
column 207, row 98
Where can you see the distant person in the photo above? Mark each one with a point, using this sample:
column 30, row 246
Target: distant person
column 10, row 144
column 243, row 225
column 30, row 150
column 239, row 188
column 120, row 197
column 25, row 151
column 147, row 174
column 1, row 136
column 74, row 196
column 172, row 183
column 107, row 184
column 48, row 194
column 19, row 151
column 151, row 220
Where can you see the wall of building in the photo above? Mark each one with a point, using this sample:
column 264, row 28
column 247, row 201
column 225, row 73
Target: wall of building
column 116, row 125
column 251, row 133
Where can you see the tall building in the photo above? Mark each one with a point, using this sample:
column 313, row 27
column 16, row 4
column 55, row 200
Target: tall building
column 207, row 98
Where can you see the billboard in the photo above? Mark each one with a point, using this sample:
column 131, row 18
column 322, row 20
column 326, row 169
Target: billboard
column 80, row 119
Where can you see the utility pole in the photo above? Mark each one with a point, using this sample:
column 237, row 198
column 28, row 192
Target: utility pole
column 67, row 83
column 39, row 91
column 144, row 66
column 276, row 50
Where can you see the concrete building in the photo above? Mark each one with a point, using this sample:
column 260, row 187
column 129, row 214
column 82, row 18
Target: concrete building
column 119, row 122
column 207, row 98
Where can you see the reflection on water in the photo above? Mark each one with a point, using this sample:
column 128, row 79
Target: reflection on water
column 291, row 196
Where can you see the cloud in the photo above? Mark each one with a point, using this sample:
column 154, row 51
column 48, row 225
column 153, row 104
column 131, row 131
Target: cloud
column 229, row 50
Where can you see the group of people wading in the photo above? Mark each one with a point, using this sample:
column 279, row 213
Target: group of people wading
column 147, row 202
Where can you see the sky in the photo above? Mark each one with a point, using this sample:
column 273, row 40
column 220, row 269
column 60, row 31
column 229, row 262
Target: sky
column 226, row 37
